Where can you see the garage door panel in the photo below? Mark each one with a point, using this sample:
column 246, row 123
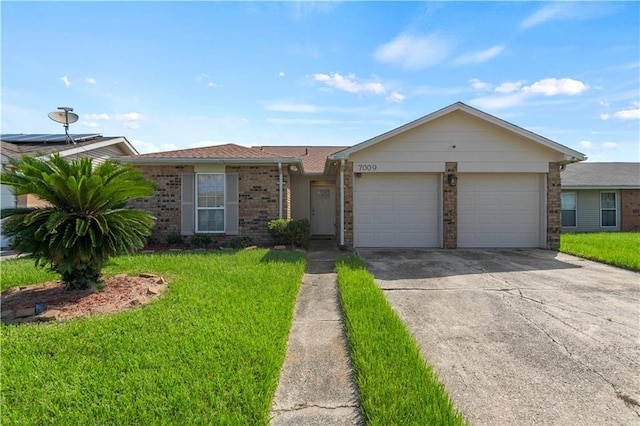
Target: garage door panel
column 499, row 210
column 396, row 210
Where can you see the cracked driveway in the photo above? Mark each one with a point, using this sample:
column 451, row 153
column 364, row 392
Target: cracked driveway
column 521, row 336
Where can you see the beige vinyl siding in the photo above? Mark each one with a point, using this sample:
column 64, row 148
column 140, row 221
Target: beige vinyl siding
column 477, row 146
column 588, row 201
column 100, row 155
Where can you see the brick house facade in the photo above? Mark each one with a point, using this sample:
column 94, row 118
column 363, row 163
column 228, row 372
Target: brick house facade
column 391, row 191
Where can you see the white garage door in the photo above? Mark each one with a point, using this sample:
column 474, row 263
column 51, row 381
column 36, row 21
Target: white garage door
column 396, row 210
column 499, row 210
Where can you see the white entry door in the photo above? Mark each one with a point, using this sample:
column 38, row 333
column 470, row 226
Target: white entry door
column 323, row 210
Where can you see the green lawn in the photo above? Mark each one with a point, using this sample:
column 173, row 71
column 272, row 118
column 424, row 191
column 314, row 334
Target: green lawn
column 615, row 248
column 396, row 386
column 208, row 352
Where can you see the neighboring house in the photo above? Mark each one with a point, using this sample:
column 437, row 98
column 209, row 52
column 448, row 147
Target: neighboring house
column 96, row 146
column 601, row 197
column 455, row 178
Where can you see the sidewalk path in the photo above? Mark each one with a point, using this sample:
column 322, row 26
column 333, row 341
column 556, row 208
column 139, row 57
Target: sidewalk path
column 316, row 385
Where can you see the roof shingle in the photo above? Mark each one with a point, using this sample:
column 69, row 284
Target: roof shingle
column 601, row 175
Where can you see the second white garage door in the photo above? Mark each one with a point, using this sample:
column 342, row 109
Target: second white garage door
column 396, row 210
column 499, row 210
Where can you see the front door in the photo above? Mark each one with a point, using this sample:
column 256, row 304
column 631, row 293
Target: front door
column 323, row 210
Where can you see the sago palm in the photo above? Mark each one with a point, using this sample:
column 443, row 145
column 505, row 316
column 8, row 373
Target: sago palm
column 86, row 220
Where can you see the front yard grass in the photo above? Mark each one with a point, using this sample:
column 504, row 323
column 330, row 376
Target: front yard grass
column 396, row 386
column 208, row 352
column 614, row 248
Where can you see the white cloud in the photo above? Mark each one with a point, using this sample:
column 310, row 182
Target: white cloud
column 554, row 86
column 604, row 104
column 66, row 81
column 566, row 11
column 414, row 52
column 90, row 80
column 395, row 97
column 509, row 86
column 130, row 116
column 586, row 144
column 281, row 74
column 202, row 144
column 102, row 116
column 90, row 124
column 481, row 56
column 350, row 84
column 610, row 144
column 479, row 85
column 628, row 114
column 211, row 84
column 604, row 116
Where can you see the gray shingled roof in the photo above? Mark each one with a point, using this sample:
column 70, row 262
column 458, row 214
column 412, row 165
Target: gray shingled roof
column 14, row 147
column 605, row 175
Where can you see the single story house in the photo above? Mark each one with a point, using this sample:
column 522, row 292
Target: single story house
column 16, row 146
column 601, row 197
column 457, row 177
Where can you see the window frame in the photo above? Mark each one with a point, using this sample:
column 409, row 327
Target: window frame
column 614, row 209
column 199, row 208
column 575, row 209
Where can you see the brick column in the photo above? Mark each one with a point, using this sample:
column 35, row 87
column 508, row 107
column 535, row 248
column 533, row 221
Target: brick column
column 450, row 208
column 554, row 209
column 630, row 210
column 348, row 204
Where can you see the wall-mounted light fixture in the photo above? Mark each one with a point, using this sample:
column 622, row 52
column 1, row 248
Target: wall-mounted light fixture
column 452, row 179
column 358, row 174
column 293, row 168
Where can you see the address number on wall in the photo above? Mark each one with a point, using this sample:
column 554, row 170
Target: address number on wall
column 366, row 168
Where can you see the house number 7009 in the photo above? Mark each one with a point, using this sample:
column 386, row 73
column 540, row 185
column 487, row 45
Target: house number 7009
column 367, row 167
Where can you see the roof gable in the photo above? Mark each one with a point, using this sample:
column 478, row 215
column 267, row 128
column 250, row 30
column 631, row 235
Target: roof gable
column 569, row 154
column 17, row 145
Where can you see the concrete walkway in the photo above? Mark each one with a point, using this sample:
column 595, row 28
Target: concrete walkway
column 316, row 385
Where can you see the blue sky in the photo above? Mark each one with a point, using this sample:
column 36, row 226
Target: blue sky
column 172, row 75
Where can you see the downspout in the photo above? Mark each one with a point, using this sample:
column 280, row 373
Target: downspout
column 281, row 184
column 342, row 203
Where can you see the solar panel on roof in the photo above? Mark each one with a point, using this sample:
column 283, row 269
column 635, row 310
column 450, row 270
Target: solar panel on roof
column 44, row 138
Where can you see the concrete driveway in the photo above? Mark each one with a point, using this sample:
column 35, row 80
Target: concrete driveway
column 521, row 336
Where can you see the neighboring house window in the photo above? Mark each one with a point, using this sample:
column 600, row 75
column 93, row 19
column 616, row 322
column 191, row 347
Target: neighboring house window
column 210, row 202
column 569, row 209
column 608, row 209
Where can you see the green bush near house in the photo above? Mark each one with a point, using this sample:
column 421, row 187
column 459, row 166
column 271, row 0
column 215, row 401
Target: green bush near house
column 241, row 242
column 290, row 232
column 200, row 240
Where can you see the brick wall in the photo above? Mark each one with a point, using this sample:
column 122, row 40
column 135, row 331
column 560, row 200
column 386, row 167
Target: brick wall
column 554, row 218
column 165, row 203
column 258, row 201
column 630, row 210
column 348, row 205
column 450, row 208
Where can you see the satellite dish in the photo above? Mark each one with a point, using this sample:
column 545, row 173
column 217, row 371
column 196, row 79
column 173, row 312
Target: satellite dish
column 65, row 116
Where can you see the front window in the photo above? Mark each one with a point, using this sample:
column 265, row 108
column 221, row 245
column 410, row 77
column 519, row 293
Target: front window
column 608, row 209
column 210, row 202
column 569, row 209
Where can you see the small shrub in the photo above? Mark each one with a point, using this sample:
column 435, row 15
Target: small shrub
column 293, row 232
column 200, row 240
column 175, row 239
column 241, row 242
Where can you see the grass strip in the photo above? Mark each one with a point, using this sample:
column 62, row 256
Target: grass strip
column 614, row 248
column 395, row 384
column 208, row 352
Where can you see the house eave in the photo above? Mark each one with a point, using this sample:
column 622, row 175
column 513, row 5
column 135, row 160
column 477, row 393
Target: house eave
column 231, row 161
column 599, row 187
